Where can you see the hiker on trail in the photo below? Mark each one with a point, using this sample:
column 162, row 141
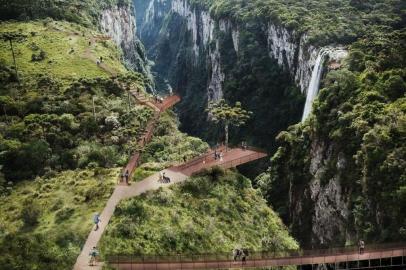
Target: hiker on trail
column 170, row 92
column 361, row 246
column 236, row 253
column 221, row 156
column 244, row 145
column 93, row 254
column 126, row 175
column 161, row 177
column 215, row 154
column 101, row 59
column 90, row 43
column 184, row 159
column 96, row 220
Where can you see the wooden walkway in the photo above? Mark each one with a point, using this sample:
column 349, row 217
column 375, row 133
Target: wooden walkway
column 231, row 158
column 379, row 256
column 121, row 191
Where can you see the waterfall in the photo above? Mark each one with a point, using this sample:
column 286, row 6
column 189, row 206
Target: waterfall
column 314, row 84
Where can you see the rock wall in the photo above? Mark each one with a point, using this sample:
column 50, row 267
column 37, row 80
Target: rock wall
column 120, row 24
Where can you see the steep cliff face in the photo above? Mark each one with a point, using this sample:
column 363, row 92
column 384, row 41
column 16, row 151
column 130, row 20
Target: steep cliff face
column 119, row 23
column 205, row 58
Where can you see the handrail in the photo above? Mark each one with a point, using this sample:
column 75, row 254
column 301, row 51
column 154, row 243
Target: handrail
column 256, row 255
column 200, row 159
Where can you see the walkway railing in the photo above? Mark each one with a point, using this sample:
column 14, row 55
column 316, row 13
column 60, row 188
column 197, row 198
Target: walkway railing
column 288, row 257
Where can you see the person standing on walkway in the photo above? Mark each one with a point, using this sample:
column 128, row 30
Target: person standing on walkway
column 93, row 254
column 126, row 175
column 96, row 220
column 161, row 177
column 361, row 246
column 221, row 156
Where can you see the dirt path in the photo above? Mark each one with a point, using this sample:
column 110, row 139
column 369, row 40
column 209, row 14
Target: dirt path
column 88, row 54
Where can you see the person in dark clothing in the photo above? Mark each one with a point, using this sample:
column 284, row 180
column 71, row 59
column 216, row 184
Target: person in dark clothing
column 184, row 159
column 126, row 175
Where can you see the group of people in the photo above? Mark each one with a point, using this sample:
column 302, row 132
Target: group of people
column 158, row 99
column 99, row 61
column 240, row 254
column 125, row 175
column 163, row 178
column 218, row 155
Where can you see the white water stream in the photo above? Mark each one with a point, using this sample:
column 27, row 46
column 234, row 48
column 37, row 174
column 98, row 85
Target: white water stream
column 314, row 84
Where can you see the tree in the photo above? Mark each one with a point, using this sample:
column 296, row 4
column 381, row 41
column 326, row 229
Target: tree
column 13, row 36
column 223, row 113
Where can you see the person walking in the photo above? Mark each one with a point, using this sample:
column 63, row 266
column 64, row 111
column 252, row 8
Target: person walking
column 126, row 175
column 96, row 220
column 93, row 254
column 361, row 246
column 221, row 156
column 161, row 177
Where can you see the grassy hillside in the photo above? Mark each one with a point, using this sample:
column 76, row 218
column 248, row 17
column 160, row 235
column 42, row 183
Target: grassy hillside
column 66, row 52
column 212, row 212
column 44, row 223
column 66, row 112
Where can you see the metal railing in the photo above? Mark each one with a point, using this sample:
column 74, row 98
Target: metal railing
column 262, row 258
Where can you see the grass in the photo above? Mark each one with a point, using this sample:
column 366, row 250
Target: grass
column 215, row 211
column 64, row 207
column 67, row 50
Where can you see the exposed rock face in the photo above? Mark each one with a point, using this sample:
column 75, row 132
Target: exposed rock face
column 190, row 38
column 119, row 24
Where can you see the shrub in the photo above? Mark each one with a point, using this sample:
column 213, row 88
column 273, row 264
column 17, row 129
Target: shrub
column 64, row 214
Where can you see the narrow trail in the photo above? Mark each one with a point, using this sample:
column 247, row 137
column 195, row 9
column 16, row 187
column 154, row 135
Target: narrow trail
column 88, row 54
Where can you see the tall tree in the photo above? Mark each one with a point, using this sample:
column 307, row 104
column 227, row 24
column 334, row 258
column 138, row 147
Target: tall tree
column 222, row 113
column 13, row 36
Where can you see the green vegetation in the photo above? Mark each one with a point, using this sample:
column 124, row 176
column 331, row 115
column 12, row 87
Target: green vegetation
column 214, row 211
column 45, row 222
column 168, row 147
column 59, row 50
column 324, row 21
column 224, row 114
column 66, row 112
column 360, row 117
column 82, row 12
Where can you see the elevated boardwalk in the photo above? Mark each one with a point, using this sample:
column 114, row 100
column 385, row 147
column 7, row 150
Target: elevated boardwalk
column 231, row 158
column 381, row 256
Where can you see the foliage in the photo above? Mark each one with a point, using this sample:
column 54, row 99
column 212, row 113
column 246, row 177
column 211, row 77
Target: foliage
column 325, row 21
column 221, row 112
column 169, row 146
column 202, row 215
column 82, row 12
column 359, row 125
column 46, row 221
column 56, row 119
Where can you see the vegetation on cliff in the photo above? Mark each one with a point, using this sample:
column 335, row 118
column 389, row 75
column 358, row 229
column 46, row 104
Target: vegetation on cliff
column 325, row 21
column 359, row 124
column 215, row 211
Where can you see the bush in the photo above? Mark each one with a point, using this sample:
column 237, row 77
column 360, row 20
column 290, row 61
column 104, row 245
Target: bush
column 30, row 213
column 64, row 214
